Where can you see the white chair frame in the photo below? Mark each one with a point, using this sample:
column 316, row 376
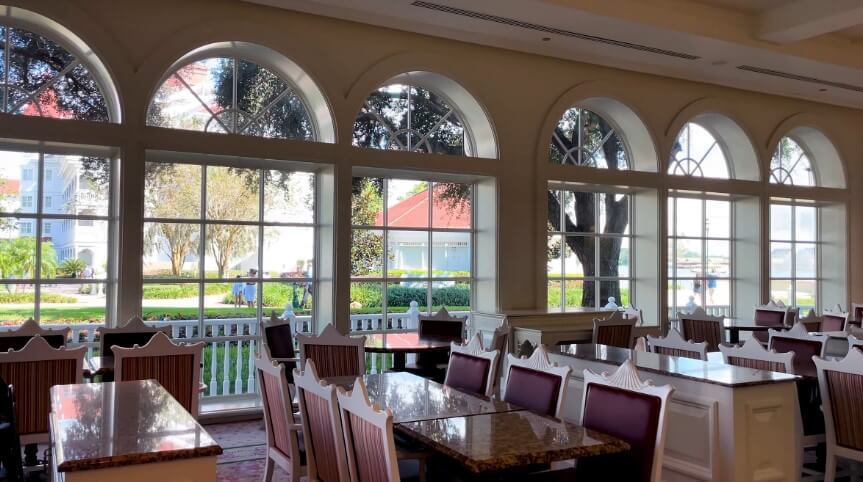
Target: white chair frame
column 754, row 350
column 852, row 364
column 854, row 341
column 632, row 312
column 474, row 349
column 799, row 332
column 837, row 312
column 617, row 318
column 539, row 361
column 699, row 314
column 788, row 318
column 357, row 402
column 442, row 315
column 161, row 345
column 331, row 336
column 308, row 381
column 675, row 341
column 626, row 378
column 810, row 317
column 31, row 328
column 37, row 349
column 269, row 323
column 274, row 457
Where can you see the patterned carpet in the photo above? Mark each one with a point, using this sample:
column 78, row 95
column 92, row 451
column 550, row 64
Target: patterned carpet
column 244, row 445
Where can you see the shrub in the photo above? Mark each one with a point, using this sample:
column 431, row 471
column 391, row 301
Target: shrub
column 173, row 292
column 6, row 298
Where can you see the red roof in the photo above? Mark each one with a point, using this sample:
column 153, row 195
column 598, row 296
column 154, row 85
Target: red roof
column 412, row 212
column 9, row 186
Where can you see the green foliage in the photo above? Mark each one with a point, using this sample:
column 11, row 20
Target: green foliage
column 369, row 296
column 18, row 258
column 72, row 267
column 367, row 247
column 9, row 298
column 178, row 291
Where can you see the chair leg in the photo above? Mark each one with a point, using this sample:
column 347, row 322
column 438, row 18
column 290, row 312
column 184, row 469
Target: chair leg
column 268, row 470
column 830, row 466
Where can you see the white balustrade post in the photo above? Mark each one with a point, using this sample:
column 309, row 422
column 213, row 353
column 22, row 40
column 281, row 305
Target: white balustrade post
column 413, row 316
column 238, row 382
column 226, row 362
column 250, row 382
column 175, row 331
column 213, row 361
column 91, row 337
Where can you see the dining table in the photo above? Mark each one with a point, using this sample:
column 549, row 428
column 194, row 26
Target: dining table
column 402, row 343
column 487, row 437
column 735, row 325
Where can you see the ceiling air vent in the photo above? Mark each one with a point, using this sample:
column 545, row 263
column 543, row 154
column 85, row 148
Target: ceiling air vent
column 800, row 78
column 556, row 31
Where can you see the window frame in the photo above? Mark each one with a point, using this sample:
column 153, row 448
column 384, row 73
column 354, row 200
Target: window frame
column 772, row 179
column 385, row 280
column 718, row 142
column 794, row 243
column 616, row 131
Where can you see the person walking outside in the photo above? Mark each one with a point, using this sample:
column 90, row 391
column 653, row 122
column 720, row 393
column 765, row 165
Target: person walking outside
column 250, row 291
column 237, row 292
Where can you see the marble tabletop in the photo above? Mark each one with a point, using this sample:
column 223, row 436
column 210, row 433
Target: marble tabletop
column 100, row 425
column 412, row 398
column 746, row 324
column 409, row 342
column 712, row 372
column 500, row 441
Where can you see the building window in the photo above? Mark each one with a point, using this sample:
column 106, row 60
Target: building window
column 584, row 138
column 794, row 253
column 410, row 118
column 412, row 245
column 49, row 175
column 699, row 254
column 696, row 152
column 790, row 165
column 231, row 96
column 45, row 283
column 42, row 78
column 589, row 250
column 228, row 242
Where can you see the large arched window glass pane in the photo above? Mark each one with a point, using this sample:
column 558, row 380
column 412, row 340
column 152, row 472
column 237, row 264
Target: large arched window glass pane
column 39, row 77
column 584, row 138
column 791, row 165
column 410, row 118
column 233, row 96
column 697, row 153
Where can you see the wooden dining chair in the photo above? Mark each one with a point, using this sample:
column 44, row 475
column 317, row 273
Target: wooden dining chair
column 633, row 313
column 17, row 338
column 134, row 332
column 176, row 366
column 841, row 385
column 322, row 426
column 369, row 440
column 278, row 341
column 441, row 325
column 811, row 321
column 33, row 370
column 857, row 313
column 500, row 342
column 625, row 407
column 283, row 433
column 334, row 354
column 472, row 369
column 614, row 330
column 10, row 439
column 834, row 320
column 535, row 383
column 673, row 344
column 771, row 314
column 802, row 343
column 699, row 327
column 752, row 354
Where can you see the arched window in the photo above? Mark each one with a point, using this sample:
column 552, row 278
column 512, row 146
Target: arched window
column 791, row 165
column 231, row 95
column 584, row 138
column 41, row 77
column 410, row 118
column 697, row 153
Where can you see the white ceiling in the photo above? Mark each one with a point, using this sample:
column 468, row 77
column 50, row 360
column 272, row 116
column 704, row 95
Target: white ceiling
column 814, row 39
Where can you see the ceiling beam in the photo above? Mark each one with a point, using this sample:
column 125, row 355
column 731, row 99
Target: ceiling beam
column 803, row 19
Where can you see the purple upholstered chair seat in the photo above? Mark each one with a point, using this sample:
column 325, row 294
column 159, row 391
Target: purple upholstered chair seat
column 803, row 350
column 468, row 373
column 532, row 389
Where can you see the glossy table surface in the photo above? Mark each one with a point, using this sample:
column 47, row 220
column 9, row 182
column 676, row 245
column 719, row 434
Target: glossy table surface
column 710, row 371
column 409, row 342
column 100, row 425
column 412, row 398
column 745, row 324
column 492, row 442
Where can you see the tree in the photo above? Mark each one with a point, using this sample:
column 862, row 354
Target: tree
column 18, row 258
column 229, row 198
column 367, row 247
column 173, row 191
column 72, row 267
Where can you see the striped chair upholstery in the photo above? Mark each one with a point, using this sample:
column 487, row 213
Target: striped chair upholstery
column 276, row 407
column 322, row 426
column 846, row 396
column 702, row 331
column 33, row 370
column 176, row 366
column 662, row 350
column 334, row 360
column 771, row 366
column 803, row 350
column 368, row 437
column 174, row 372
column 614, row 330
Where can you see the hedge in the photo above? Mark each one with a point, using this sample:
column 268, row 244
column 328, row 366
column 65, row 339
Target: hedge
column 369, row 295
column 177, row 291
column 8, row 298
